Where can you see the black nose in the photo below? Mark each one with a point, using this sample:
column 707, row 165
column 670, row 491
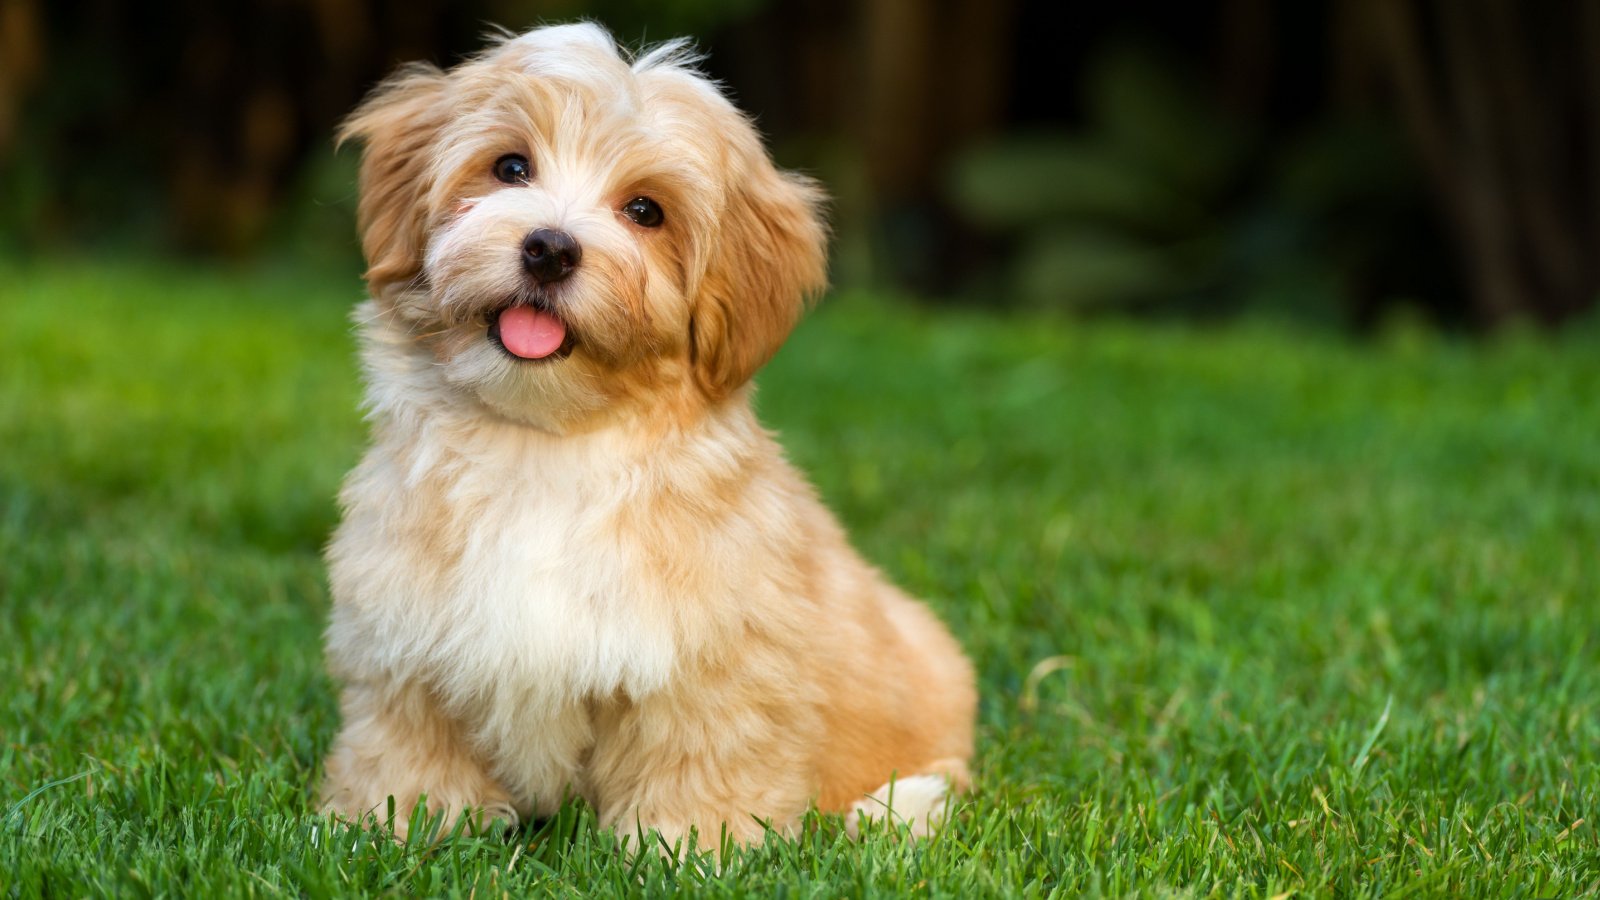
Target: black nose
column 550, row 255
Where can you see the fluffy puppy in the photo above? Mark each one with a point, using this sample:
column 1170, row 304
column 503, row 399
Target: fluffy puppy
column 572, row 562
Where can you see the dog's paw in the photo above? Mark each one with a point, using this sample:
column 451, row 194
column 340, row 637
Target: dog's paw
column 428, row 821
column 916, row 801
column 492, row 818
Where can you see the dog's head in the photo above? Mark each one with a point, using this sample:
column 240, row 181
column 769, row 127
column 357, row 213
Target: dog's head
column 568, row 231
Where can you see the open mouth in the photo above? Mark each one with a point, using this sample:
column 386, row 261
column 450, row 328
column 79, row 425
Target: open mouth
column 530, row 331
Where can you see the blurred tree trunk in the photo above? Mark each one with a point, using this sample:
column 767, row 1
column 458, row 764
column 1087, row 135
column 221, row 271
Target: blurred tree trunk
column 1502, row 101
column 1245, row 40
column 21, row 60
column 934, row 76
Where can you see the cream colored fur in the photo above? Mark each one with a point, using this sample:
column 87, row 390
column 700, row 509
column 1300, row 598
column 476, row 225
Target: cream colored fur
column 597, row 575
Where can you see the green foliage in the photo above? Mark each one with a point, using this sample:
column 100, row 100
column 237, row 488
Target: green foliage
column 1255, row 612
column 1162, row 201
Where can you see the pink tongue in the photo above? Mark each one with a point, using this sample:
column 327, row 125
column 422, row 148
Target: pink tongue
column 531, row 333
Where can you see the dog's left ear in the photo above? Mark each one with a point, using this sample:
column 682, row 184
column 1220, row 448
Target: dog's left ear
column 769, row 258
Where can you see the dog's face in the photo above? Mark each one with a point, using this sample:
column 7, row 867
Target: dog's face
column 573, row 235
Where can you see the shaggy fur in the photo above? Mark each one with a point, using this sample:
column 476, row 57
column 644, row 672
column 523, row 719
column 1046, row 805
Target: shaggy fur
column 596, row 574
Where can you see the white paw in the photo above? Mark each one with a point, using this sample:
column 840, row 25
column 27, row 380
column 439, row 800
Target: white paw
column 917, row 801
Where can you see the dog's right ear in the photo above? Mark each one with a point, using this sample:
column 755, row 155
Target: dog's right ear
column 397, row 126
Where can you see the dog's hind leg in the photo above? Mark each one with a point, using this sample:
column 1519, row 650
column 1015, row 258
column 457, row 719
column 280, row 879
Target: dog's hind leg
column 917, row 801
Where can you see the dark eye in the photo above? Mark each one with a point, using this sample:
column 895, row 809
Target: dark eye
column 513, row 168
column 643, row 211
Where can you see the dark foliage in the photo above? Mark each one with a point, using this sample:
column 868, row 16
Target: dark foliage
column 1329, row 160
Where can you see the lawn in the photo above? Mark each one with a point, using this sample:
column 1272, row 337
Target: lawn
column 1255, row 611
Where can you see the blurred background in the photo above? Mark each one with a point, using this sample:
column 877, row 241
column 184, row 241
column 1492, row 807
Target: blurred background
column 1345, row 163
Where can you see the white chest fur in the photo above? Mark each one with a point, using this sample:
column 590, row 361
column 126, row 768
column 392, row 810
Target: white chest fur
column 500, row 573
column 548, row 594
column 502, row 566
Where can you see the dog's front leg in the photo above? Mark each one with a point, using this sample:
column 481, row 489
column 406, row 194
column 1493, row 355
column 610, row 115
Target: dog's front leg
column 396, row 742
column 708, row 759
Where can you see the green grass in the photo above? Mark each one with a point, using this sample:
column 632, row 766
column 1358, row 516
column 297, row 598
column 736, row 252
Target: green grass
column 1254, row 611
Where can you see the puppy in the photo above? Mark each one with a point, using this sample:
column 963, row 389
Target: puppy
column 572, row 562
